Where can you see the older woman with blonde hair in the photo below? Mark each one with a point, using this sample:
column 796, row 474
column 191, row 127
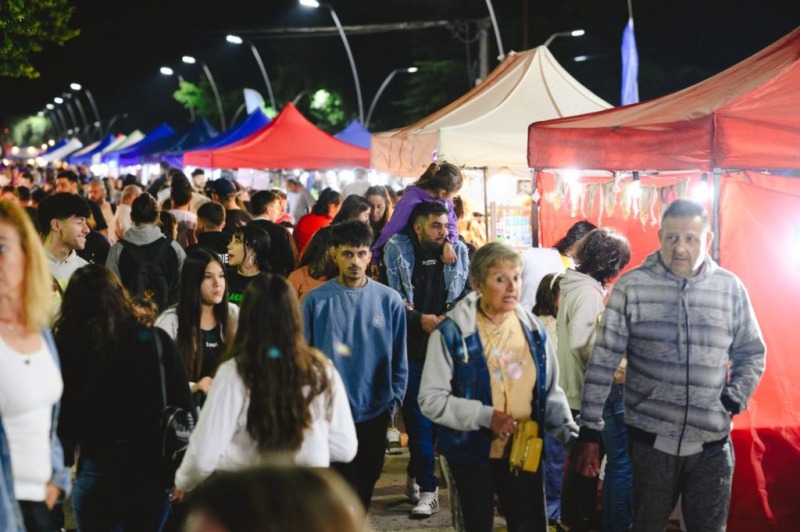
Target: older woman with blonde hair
column 488, row 369
column 31, row 456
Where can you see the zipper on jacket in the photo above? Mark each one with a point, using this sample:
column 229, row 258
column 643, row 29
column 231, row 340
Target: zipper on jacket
column 683, row 313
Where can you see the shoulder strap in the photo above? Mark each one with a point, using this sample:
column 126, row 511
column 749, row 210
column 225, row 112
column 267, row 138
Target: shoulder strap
column 160, row 356
column 166, row 245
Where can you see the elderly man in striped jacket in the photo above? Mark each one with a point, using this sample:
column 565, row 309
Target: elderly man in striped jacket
column 695, row 356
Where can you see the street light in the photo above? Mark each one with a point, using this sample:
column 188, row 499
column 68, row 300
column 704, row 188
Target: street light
column 572, row 33
column 167, row 71
column 316, row 4
column 75, row 124
column 496, row 31
column 235, row 39
column 386, row 81
column 77, row 87
column 77, row 103
column 191, row 61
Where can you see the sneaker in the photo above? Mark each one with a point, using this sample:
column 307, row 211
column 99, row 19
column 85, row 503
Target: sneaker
column 412, row 490
column 427, row 506
column 393, row 444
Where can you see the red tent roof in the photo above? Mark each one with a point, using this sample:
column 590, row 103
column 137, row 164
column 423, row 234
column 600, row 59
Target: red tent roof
column 289, row 141
column 747, row 116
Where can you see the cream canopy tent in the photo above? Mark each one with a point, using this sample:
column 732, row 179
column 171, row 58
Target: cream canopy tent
column 487, row 127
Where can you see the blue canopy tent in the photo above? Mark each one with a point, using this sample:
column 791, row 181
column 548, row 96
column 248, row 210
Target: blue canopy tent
column 355, row 134
column 200, row 132
column 254, row 122
column 57, row 146
column 86, row 158
column 130, row 155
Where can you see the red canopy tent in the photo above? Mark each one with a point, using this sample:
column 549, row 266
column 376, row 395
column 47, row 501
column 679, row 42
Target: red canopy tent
column 747, row 117
column 289, row 141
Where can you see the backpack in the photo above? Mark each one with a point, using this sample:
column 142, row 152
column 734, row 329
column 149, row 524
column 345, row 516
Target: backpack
column 150, row 270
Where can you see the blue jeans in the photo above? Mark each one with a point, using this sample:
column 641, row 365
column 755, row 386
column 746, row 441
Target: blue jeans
column 617, row 494
column 555, row 456
column 421, row 433
column 109, row 495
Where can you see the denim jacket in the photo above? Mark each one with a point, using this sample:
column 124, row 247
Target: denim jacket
column 455, row 392
column 398, row 256
column 10, row 515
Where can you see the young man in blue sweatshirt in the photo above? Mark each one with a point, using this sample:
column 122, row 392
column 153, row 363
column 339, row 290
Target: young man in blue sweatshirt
column 361, row 326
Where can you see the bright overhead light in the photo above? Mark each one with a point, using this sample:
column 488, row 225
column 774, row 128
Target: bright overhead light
column 75, row 86
column 188, row 59
column 234, row 39
column 309, row 3
column 40, row 114
column 167, row 71
column 58, row 100
column 580, row 58
column 577, row 33
column 412, row 70
column 50, row 106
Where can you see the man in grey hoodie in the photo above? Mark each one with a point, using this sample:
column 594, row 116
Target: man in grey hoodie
column 695, row 356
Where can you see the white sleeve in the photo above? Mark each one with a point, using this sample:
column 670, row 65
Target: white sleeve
column 342, row 440
column 215, row 429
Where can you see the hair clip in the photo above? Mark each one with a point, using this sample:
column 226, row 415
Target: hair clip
column 555, row 278
column 274, row 353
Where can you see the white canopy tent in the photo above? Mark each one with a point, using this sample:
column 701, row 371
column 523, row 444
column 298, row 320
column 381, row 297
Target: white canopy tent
column 488, row 126
column 68, row 148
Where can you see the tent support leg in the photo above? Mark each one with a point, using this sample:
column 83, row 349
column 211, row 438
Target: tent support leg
column 486, row 201
column 716, row 183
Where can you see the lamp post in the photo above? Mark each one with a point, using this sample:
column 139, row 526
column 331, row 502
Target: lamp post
column 75, row 127
column 77, row 87
column 572, row 33
column 496, row 31
column 188, row 59
column 383, row 86
column 316, row 4
column 167, row 71
column 235, row 39
column 68, row 98
column 53, row 121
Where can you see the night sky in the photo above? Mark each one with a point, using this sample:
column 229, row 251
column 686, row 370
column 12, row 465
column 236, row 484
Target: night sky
column 123, row 44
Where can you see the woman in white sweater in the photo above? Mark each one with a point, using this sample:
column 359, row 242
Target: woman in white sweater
column 275, row 394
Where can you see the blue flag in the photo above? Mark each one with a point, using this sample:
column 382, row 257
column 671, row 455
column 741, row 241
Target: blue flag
column 630, row 66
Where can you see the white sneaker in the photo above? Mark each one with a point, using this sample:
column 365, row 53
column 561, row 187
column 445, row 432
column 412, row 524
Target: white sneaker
column 427, row 506
column 412, row 490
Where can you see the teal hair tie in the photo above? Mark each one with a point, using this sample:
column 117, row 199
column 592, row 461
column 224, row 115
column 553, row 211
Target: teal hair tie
column 273, row 352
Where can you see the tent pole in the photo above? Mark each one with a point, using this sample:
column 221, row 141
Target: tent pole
column 486, row 201
column 716, row 184
column 534, row 211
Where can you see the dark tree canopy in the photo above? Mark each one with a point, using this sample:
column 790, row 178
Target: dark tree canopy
column 25, row 26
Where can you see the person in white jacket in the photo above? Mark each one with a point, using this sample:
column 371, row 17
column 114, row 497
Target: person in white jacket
column 274, row 395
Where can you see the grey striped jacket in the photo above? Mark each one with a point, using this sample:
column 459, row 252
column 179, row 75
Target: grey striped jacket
column 695, row 352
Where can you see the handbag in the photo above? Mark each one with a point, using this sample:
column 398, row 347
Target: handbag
column 176, row 424
column 526, row 448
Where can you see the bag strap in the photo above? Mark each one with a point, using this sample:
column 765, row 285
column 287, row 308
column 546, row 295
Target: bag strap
column 160, row 355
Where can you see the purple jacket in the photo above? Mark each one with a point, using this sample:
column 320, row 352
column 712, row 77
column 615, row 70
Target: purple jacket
column 412, row 196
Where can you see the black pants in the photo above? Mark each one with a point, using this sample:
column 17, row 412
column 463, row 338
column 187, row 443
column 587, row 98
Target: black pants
column 36, row 516
column 365, row 469
column 521, row 496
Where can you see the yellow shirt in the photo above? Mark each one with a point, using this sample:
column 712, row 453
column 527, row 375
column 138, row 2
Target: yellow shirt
column 512, row 373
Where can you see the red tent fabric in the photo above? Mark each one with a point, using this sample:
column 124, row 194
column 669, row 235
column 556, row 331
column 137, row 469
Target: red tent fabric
column 289, row 141
column 747, row 117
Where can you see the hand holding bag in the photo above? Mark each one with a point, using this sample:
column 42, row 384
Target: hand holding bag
column 526, row 448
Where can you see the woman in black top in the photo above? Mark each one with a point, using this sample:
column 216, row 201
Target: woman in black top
column 203, row 320
column 112, row 404
column 248, row 255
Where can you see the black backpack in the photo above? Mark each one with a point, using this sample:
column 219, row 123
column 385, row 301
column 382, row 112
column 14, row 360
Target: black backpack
column 150, row 270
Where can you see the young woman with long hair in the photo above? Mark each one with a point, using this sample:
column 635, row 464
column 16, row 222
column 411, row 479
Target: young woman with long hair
column 248, row 256
column 316, row 264
column 275, row 394
column 380, row 208
column 353, row 208
column 203, row 320
column 112, row 404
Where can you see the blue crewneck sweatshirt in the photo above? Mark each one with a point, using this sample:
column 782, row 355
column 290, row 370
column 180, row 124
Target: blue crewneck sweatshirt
column 363, row 330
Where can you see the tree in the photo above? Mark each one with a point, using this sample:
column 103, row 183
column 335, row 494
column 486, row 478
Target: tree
column 25, row 25
column 199, row 97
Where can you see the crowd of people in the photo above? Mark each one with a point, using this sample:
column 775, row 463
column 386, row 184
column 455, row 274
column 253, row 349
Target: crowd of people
column 294, row 331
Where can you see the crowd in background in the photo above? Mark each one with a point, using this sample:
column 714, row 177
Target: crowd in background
column 294, row 328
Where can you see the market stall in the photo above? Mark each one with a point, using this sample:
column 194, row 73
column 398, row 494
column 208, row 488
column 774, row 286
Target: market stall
column 747, row 117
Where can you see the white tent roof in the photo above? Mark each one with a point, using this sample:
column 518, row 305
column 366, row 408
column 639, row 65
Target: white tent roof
column 86, row 149
column 71, row 146
column 488, row 126
column 123, row 142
